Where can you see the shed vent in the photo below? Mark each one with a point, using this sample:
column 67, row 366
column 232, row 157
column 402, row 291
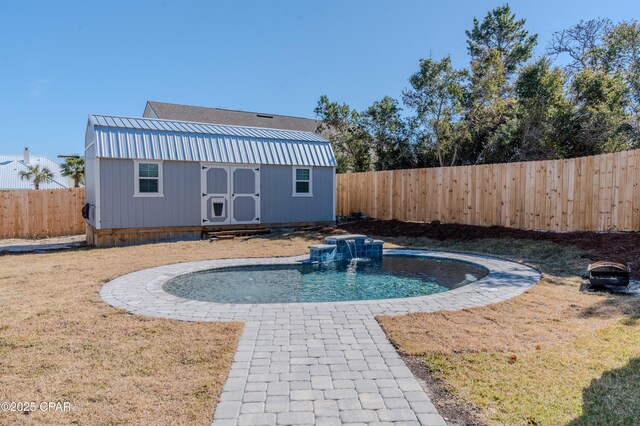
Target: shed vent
column 217, row 209
column 264, row 116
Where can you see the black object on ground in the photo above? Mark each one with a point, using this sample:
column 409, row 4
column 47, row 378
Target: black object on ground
column 609, row 274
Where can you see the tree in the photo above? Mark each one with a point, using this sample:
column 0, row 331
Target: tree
column 601, row 119
column 608, row 95
column 621, row 54
column 37, row 175
column 487, row 108
column 542, row 110
column 73, row 167
column 488, row 79
column 348, row 138
column 499, row 46
column 581, row 42
column 436, row 96
column 500, row 33
column 503, row 106
column 390, row 135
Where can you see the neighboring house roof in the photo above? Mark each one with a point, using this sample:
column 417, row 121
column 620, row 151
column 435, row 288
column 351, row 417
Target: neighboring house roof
column 231, row 117
column 10, row 165
column 155, row 139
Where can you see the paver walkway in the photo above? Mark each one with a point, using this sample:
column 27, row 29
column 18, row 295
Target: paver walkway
column 317, row 363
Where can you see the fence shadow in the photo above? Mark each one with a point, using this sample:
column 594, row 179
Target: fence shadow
column 613, row 399
column 612, row 306
column 41, row 246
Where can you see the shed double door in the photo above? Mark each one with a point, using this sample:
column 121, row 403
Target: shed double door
column 230, row 194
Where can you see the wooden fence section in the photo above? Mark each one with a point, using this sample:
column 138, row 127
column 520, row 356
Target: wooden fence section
column 599, row 193
column 41, row 213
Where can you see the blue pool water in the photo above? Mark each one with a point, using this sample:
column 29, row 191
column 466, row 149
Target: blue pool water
column 390, row 277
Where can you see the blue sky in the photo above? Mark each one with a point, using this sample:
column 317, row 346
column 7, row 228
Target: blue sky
column 60, row 61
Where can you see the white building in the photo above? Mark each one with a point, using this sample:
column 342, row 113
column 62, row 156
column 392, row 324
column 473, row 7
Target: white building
column 11, row 165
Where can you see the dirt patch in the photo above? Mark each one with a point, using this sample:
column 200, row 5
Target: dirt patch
column 455, row 410
column 618, row 247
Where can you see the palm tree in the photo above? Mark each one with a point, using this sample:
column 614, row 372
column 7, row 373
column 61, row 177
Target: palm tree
column 37, row 175
column 73, row 167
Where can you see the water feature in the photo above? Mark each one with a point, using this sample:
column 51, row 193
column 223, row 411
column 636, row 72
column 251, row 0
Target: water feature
column 394, row 276
column 346, row 247
column 345, row 267
column 351, row 243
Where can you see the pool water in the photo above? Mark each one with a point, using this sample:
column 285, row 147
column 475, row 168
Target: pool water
column 358, row 279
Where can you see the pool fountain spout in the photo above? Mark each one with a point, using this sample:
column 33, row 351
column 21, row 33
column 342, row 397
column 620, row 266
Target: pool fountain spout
column 330, row 257
column 351, row 243
column 346, row 247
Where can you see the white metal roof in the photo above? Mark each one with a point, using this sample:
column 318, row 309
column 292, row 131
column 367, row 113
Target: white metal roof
column 146, row 138
column 10, row 165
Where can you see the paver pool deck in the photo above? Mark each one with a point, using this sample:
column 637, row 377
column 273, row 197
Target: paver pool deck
column 326, row 363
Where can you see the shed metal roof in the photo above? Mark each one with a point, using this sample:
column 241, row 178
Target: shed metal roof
column 154, row 139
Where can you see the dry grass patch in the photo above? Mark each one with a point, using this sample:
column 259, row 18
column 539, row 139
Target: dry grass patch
column 551, row 313
column 60, row 342
column 574, row 352
column 592, row 380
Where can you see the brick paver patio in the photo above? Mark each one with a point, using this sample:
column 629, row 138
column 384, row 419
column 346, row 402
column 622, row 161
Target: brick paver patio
column 317, row 363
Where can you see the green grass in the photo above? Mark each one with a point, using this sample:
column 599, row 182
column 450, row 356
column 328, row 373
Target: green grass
column 594, row 380
column 577, row 355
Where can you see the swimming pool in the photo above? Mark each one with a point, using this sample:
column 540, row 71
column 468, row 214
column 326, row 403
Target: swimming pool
column 393, row 276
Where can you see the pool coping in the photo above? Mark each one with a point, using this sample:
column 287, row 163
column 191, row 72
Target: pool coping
column 142, row 292
column 317, row 362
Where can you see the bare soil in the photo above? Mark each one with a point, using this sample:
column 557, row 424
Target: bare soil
column 623, row 247
column 454, row 409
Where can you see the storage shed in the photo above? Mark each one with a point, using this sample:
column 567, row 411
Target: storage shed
column 152, row 180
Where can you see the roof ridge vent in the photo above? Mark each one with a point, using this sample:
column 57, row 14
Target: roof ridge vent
column 264, row 116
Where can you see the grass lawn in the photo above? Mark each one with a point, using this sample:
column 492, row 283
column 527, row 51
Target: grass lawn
column 551, row 356
column 60, row 342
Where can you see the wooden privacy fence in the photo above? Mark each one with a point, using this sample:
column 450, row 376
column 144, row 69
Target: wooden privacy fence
column 41, row 213
column 599, row 193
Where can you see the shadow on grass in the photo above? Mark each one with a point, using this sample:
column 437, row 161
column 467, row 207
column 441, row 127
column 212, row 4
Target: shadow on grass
column 613, row 399
column 613, row 305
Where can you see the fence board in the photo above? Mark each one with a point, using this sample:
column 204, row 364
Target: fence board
column 599, row 193
column 42, row 213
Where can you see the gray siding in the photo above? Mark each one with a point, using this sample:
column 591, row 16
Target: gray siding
column 180, row 205
column 279, row 206
column 90, row 183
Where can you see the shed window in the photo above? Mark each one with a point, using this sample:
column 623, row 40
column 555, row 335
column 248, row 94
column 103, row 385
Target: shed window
column 302, row 182
column 148, row 179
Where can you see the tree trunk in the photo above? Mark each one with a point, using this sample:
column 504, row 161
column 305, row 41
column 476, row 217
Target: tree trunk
column 76, row 182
